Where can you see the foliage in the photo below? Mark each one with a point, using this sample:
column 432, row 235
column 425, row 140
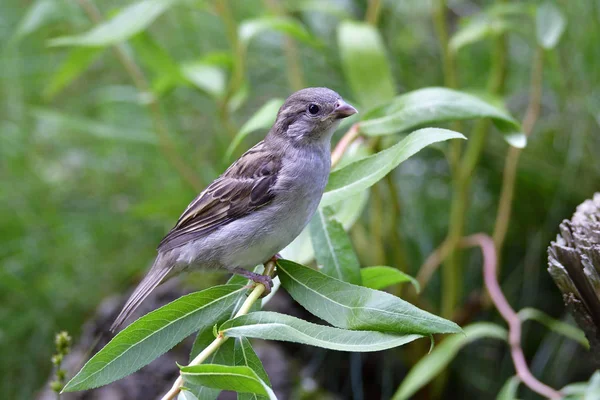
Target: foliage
column 113, row 119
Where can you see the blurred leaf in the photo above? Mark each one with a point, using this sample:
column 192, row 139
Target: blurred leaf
column 74, row 65
column 206, row 77
column 155, row 333
column 593, row 390
column 583, row 390
column 380, row 277
column 186, row 394
column 274, row 326
column 478, row 29
column 434, row 105
column 333, row 248
column 94, row 128
column 244, row 355
column 237, row 378
column 132, row 19
column 550, row 24
column 165, row 69
column 262, row 119
column 439, row 358
column 38, row 14
column 300, row 249
column 365, row 63
column 509, row 389
column 250, row 28
column 554, row 325
column 364, row 173
column 355, row 307
column 318, row 6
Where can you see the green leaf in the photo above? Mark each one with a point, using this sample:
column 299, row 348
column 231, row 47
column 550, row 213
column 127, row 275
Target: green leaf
column 365, row 63
column 244, row 355
column 93, row 128
column 362, row 174
column 436, row 361
column 274, row 326
column 550, row 24
column 38, row 14
column 380, row 277
column 251, row 28
column 72, row 67
column 241, row 379
column 129, row 21
column 554, row 325
column 434, row 105
column 583, row 390
column 355, row 307
column 477, row 29
column 206, row 77
column 262, row 119
column 333, row 248
column 155, row 333
column 509, row 389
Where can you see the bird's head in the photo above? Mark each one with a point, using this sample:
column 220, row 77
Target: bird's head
column 311, row 115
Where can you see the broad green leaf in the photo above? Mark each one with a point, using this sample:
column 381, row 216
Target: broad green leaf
column 550, row 24
column 165, row 70
column 250, row 28
column 244, row 355
column 206, row 77
column 583, row 390
column 240, row 379
column 365, row 63
column 72, row 67
column 554, row 325
column 362, row 174
column 355, row 307
column 155, row 333
column 436, row 361
column 333, row 248
column 318, row 6
column 132, row 19
column 380, row 277
column 262, row 119
column 186, row 394
column 509, row 389
column 274, row 326
column 435, row 105
column 593, row 390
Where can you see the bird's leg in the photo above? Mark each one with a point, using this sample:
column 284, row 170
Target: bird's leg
column 254, row 277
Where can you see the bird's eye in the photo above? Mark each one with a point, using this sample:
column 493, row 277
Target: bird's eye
column 313, row 109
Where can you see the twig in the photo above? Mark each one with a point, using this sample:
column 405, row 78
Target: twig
column 510, row 316
column 432, row 263
column 342, row 146
column 220, row 339
column 141, row 83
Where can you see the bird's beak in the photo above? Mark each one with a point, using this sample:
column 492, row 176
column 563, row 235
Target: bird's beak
column 343, row 109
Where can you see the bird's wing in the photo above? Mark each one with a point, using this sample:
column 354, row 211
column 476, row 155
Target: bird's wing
column 246, row 186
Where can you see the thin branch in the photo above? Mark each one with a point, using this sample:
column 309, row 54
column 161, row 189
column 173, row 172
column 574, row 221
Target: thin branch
column 488, row 250
column 140, row 81
column 220, row 339
column 512, row 158
column 342, row 145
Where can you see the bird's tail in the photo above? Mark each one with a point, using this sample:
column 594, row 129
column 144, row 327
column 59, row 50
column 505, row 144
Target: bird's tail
column 154, row 277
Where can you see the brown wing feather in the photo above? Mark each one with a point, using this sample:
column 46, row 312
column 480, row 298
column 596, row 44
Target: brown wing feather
column 244, row 187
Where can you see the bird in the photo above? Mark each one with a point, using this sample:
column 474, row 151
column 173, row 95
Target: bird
column 260, row 204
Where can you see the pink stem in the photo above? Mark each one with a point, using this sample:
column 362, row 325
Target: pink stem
column 510, row 316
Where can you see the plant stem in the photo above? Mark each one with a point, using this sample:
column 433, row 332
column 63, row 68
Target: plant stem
column 452, row 272
column 342, row 145
column 490, row 276
column 295, row 74
column 140, row 81
column 373, row 12
column 256, row 293
column 512, row 158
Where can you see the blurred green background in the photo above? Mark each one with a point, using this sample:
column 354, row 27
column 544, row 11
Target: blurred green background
column 101, row 149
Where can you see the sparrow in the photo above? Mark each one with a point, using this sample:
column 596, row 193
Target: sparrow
column 260, row 204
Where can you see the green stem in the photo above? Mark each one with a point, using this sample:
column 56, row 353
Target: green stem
column 373, row 12
column 452, row 271
column 254, row 296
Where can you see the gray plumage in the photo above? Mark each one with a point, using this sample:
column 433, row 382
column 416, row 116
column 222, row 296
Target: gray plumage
column 261, row 203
